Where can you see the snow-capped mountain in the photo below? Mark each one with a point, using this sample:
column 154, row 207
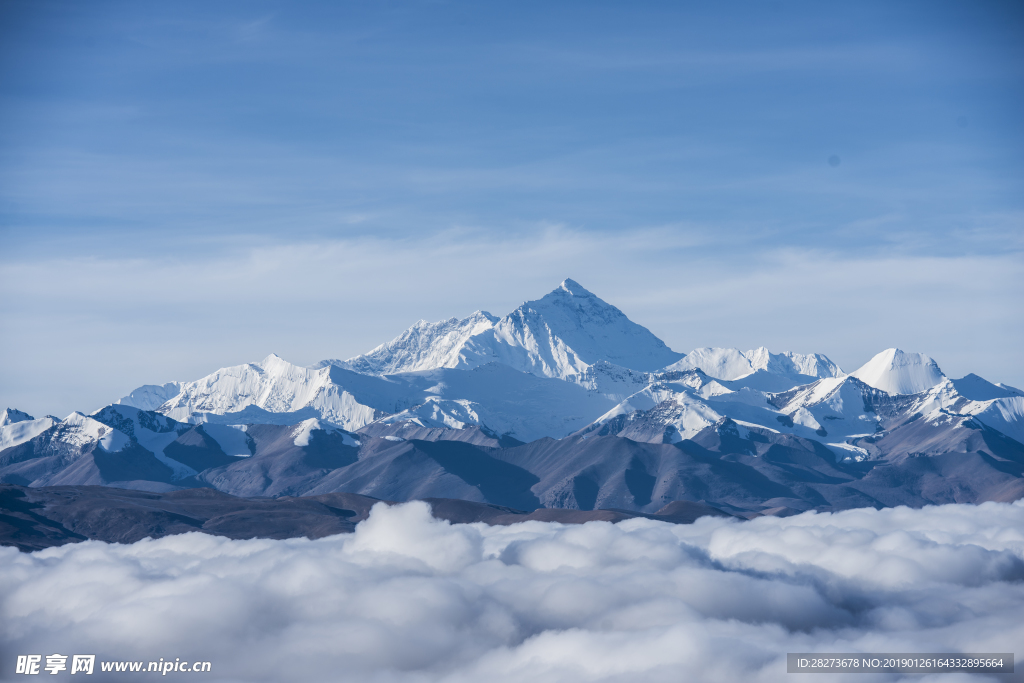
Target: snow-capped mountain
column 275, row 390
column 151, row 396
column 1003, row 413
column 562, row 402
column 793, row 364
column 424, row 346
column 978, row 389
column 669, row 411
column 559, row 335
column 69, row 452
column 758, row 368
column 608, row 375
column 500, row 399
column 836, row 408
column 898, row 372
column 567, row 331
column 732, row 364
column 124, row 446
column 11, row 416
column 494, row 396
column 17, row 427
column 656, row 415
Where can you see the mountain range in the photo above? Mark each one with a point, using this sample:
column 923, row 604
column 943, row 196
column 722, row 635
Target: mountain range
column 562, row 403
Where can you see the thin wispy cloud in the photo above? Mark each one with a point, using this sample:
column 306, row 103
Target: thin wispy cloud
column 178, row 317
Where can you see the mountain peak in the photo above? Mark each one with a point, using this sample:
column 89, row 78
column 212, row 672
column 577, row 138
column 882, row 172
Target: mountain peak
column 980, row 389
column 569, row 329
column 10, row 416
column 479, row 316
column 573, row 288
column 559, row 335
column 275, row 364
column 898, row 372
column 424, row 346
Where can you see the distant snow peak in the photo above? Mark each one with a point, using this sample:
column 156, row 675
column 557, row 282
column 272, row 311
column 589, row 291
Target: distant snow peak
column 16, row 430
column 424, row 346
column 273, row 386
column 996, row 406
column 792, row 364
column 834, row 407
column 574, row 288
column 898, row 372
column 80, row 430
column 569, row 329
column 659, row 416
column 979, row 389
column 11, row 416
column 274, row 363
column 438, row 413
column 559, row 335
column 733, row 364
column 719, row 363
column 151, row 396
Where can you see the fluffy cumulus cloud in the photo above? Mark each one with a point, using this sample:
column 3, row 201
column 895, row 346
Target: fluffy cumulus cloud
column 409, row 598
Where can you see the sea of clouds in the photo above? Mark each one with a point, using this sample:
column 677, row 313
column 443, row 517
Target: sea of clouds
column 412, row 599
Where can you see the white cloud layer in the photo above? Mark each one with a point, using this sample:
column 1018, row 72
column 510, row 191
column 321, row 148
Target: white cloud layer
column 411, row 599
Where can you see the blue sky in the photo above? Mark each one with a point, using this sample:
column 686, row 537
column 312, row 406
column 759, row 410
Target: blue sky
column 190, row 185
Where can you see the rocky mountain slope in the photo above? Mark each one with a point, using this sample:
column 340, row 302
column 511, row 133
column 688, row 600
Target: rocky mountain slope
column 36, row 518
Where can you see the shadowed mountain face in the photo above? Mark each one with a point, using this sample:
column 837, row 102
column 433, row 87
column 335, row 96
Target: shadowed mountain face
column 45, row 460
column 742, row 469
column 35, row 518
